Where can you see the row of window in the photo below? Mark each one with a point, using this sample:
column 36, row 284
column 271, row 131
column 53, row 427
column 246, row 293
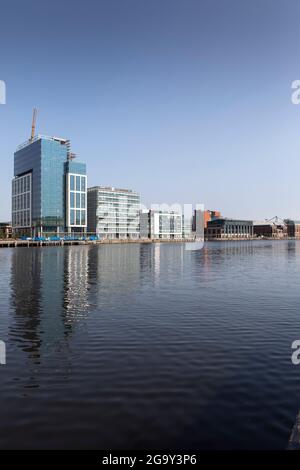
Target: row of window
column 77, row 183
column 219, row 231
column 77, row 200
column 21, row 219
column 109, row 230
column 21, row 202
column 77, row 217
column 135, row 207
column 119, row 225
column 237, row 228
column 117, row 197
column 21, row 185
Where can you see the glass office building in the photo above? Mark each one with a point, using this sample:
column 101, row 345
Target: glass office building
column 39, row 187
column 76, row 203
column 113, row 213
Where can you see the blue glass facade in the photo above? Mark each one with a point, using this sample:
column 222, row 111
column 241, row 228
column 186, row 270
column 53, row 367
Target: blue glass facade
column 53, row 157
column 46, row 160
column 28, row 160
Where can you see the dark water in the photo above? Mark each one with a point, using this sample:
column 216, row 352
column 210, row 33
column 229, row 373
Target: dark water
column 143, row 346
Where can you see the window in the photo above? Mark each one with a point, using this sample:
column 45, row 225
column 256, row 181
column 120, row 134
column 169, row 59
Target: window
column 21, row 201
column 77, row 200
column 72, row 182
column 83, row 183
column 82, row 217
column 77, row 183
column 72, row 199
column 72, row 217
column 82, row 201
column 77, row 217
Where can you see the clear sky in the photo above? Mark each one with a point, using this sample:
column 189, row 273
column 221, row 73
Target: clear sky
column 182, row 100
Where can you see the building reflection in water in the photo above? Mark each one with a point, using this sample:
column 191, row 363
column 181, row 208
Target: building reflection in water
column 76, row 277
column 159, row 260
column 54, row 289
column 113, row 271
column 49, row 297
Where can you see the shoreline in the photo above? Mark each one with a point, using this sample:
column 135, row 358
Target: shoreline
column 12, row 243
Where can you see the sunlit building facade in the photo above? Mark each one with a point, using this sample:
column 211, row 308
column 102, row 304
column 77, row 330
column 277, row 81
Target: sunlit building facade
column 156, row 224
column 41, row 196
column 113, row 213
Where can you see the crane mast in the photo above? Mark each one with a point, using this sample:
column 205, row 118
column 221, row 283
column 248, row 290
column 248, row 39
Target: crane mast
column 33, row 124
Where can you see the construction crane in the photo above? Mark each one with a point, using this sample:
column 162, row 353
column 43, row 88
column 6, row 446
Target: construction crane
column 276, row 220
column 33, row 124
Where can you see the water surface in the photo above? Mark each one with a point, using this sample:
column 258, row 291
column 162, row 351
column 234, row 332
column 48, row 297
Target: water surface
column 150, row 346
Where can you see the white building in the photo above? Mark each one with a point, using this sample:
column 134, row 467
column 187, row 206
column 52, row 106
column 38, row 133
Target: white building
column 113, row 213
column 160, row 224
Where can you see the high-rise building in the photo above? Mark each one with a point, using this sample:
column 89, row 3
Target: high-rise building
column 76, row 196
column 113, row 212
column 48, row 188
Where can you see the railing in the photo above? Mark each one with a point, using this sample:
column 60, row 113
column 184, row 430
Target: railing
column 37, row 137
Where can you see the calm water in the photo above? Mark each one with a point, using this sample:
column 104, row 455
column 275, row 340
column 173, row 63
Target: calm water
column 143, row 346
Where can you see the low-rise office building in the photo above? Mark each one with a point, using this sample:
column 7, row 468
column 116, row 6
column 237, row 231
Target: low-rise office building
column 5, row 230
column 269, row 229
column 210, row 215
column 198, row 224
column 223, row 228
column 156, row 224
column 113, row 213
column 293, row 228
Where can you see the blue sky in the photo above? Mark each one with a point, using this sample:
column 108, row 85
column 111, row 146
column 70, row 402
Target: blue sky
column 183, row 100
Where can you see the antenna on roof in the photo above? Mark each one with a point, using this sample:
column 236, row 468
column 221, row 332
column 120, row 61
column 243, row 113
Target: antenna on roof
column 33, row 124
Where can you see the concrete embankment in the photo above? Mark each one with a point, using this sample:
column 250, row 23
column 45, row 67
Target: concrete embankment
column 10, row 243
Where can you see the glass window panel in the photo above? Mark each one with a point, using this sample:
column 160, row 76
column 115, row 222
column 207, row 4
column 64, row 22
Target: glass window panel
column 83, row 183
column 72, row 217
column 77, row 217
column 82, row 201
column 77, row 200
column 77, row 183
column 82, row 217
column 72, row 199
column 72, row 182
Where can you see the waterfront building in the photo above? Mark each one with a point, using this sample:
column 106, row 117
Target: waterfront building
column 188, row 226
column 5, row 230
column 223, row 228
column 76, row 196
column 210, row 215
column 270, row 229
column 113, row 213
column 44, row 199
column 198, row 224
column 293, row 228
column 156, row 224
